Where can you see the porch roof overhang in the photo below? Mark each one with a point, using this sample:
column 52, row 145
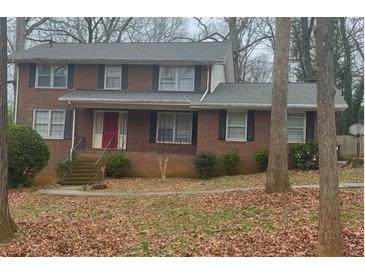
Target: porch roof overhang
column 130, row 99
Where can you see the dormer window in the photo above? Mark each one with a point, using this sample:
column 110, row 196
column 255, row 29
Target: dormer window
column 177, row 78
column 113, row 77
column 51, row 76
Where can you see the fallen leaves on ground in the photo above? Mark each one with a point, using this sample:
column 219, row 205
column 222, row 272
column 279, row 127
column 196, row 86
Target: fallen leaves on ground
column 226, row 224
column 296, row 177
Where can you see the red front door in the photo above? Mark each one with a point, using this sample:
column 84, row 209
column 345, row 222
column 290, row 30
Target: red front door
column 110, row 129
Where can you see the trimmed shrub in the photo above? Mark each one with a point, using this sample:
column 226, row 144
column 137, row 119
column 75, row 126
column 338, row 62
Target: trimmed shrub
column 63, row 167
column 28, row 154
column 231, row 161
column 117, row 165
column 206, row 164
column 305, row 156
column 262, row 158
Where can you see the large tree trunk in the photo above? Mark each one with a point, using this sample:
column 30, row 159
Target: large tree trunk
column 306, row 38
column 7, row 226
column 233, row 36
column 330, row 241
column 19, row 46
column 277, row 173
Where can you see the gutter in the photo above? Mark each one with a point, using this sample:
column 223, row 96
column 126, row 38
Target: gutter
column 259, row 106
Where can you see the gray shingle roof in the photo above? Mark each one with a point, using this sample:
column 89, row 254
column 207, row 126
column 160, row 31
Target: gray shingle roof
column 132, row 97
column 226, row 95
column 258, row 95
column 185, row 52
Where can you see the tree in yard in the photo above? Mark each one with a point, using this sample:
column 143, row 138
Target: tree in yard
column 277, row 172
column 233, row 37
column 330, row 242
column 7, row 226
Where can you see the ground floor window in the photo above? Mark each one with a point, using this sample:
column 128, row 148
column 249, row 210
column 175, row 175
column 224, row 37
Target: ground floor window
column 236, row 126
column 174, row 127
column 49, row 123
column 296, row 127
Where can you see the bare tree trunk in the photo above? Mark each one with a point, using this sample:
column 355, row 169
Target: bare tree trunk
column 330, row 242
column 19, row 46
column 306, row 38
column 7, row 226
column 233, row 36
column 277, row 172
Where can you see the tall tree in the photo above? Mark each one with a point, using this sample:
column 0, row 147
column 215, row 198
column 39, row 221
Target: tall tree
column 7, row 226
column 277, row 173
column 233, row 37
column 330, row 242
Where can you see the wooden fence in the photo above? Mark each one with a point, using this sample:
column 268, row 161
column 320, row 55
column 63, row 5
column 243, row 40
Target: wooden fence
column 347, row 147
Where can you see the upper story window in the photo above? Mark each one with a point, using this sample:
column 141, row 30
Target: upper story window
column 174, row 127
column 51, row 76
column 236, row 126
column 179, row 78
column 296, row 127
column 49, row 123
column 113, row 77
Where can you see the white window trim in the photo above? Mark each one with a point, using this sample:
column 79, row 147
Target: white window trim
column 245, row 126
column 304, row 128
column 176, row 78
column 52, row 76
column 105, row 77
column 174, row 128
column 49, row 123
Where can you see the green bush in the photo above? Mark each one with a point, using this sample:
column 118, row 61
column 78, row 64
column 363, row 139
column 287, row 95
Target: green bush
column 117, row 165
column 231, row 161
column 305, row 156
column 206, row 164
column 262, row 158
column 63, row 167
column 28, row 154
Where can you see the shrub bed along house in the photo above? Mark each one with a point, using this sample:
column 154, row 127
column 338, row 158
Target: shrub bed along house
column 262, row 158
column 28, row 154
column 305, row 156
column 231, row 161
column 206, row 164
column 117, row 165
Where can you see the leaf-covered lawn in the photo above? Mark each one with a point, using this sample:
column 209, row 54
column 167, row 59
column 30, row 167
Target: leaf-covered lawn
column 346, row 175
column 226, row 224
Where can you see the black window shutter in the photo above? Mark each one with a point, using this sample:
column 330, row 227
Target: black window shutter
column 68, row 125
column 70, row 77
column 155, row 76
column 100, row 75
column 222, row 125
column 153, row 126
column 250, row 125
column 198, row 77
column 309, row 125
column 195, row 128
column 124, row 76
column 32, row 69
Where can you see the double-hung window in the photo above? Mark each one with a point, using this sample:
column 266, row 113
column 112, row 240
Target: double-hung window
column 177, row 78
column 51, row 76
column 174, row 127
column 296, row 127
column 236, row 126
column 113, row 77
column 49, row 123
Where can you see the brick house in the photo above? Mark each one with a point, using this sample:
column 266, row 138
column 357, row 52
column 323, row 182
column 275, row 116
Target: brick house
column 146, row 97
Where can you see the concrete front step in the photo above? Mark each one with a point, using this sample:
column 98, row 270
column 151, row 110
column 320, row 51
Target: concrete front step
column 77, row 183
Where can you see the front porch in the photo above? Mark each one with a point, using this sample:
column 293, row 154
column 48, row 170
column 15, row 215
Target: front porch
column 132, row 131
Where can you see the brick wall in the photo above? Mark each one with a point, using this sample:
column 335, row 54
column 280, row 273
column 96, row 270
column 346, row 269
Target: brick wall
column 208, row 137
column 139, row 77
column 35, row 98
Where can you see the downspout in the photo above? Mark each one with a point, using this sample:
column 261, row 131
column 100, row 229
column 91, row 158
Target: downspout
column 73, row 133
column 16, row 94
column 208, row 85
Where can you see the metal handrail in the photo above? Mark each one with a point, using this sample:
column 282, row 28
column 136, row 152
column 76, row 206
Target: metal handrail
column 102, row 154
column 69, row 157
